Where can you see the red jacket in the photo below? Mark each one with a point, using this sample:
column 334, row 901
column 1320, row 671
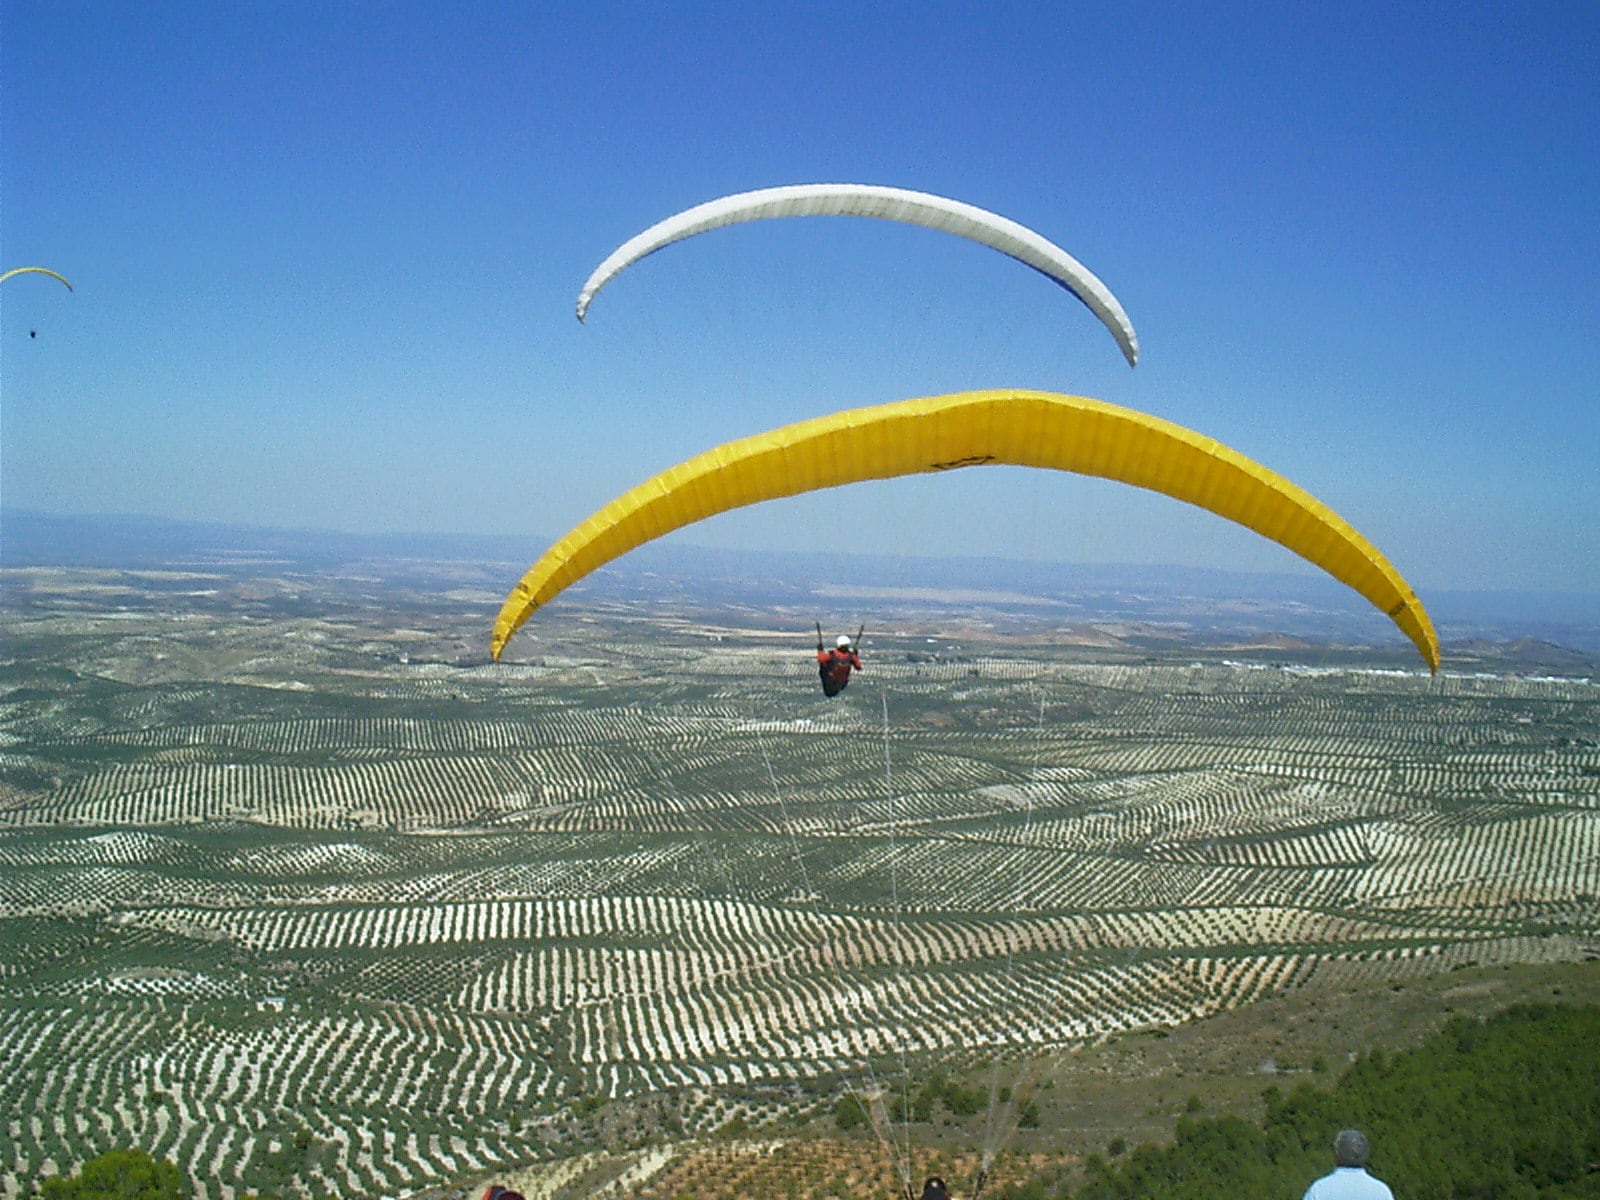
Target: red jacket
column 835, row 667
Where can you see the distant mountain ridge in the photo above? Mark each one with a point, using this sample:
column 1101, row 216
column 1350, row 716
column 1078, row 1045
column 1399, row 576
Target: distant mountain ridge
column 1220, row 602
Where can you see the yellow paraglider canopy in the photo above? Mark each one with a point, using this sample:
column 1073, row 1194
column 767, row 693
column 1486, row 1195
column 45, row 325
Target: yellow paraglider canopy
column 33, row 271
column 940, row 433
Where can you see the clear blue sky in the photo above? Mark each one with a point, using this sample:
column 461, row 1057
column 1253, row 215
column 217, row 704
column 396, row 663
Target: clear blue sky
column 326, row 257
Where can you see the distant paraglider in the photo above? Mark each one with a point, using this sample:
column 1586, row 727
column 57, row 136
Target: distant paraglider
column 886, row 203
column 942, row 433
column 34, row 271
column 834, row 666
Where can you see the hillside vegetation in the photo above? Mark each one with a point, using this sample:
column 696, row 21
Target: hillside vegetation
column 1503, row 1107
column 1115, row 1110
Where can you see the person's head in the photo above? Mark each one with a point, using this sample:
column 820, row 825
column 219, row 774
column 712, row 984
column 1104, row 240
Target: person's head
column 844, row 641
column 1350, row 1148
column 934, row 1189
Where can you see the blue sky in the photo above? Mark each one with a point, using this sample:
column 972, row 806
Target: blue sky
column 326, row 258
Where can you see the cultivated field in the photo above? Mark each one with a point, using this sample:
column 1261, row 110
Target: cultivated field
column 301, row 892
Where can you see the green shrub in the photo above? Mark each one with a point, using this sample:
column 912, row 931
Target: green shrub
column 120, row 1175
column 849, row 1114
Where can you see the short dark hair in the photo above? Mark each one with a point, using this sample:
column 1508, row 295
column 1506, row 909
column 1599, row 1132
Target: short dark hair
column 1350, row 1148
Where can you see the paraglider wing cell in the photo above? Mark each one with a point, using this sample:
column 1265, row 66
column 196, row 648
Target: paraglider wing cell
column 889, row 204
column 1021, row 428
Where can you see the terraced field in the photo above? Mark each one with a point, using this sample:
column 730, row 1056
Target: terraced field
column 306, row 902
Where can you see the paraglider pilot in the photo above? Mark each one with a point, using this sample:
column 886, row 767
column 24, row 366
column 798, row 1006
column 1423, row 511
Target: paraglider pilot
column 835, row 665
column 933, row 1189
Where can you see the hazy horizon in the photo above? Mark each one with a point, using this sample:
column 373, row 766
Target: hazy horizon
column 1303, row 603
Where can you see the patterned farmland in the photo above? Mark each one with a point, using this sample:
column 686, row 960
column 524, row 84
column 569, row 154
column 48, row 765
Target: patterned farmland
column 352, row 925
